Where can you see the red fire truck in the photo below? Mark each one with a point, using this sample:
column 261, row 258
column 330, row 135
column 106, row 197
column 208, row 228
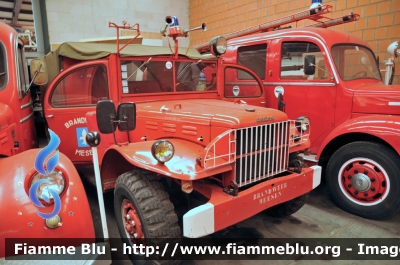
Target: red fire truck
column 17, row 158
column 333, row 78
column 241, row 159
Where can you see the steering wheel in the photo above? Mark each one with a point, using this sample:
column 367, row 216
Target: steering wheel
column 361, row 72
column 186, row 86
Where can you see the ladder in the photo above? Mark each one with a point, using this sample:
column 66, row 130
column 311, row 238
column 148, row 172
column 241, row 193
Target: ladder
column 312, row 13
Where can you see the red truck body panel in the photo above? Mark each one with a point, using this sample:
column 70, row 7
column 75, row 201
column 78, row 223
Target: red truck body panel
column 22, row 220
column 328, row 103
column 17, row 131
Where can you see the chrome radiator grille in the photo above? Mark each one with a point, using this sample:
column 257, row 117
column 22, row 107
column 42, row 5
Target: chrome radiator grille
column 261, row 152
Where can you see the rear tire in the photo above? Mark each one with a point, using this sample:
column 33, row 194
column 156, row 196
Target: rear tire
column 139, row 195
column 364, row 179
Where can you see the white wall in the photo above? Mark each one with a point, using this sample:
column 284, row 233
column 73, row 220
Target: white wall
column 73, row 20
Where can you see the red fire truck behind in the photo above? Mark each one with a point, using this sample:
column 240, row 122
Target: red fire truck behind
column 333, row 78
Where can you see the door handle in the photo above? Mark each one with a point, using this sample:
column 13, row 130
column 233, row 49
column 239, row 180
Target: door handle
column 263, row 102
column 49, row 116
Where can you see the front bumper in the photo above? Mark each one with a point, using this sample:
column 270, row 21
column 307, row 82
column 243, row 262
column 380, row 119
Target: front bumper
column 223, row 210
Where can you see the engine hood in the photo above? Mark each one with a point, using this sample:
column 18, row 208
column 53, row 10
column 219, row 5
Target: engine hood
column 377, row 99
column 209, row 112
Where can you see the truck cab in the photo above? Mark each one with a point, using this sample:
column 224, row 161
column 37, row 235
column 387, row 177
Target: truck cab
column 17, row 128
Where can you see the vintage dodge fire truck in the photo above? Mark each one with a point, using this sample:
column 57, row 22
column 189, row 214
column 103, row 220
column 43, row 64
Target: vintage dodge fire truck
column 332, row 78
column 17, row 159
column 242, row 159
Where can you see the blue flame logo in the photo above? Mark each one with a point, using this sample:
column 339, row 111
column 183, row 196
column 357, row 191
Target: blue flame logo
column 45, row 171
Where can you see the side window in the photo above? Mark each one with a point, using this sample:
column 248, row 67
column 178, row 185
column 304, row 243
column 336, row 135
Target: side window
column 3, row 67
column 253, row 57
column 146, row 77
column 85, row 86
column 292, row 59
column 235, row 88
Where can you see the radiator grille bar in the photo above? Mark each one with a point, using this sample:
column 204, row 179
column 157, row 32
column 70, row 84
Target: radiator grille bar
column 261, row 152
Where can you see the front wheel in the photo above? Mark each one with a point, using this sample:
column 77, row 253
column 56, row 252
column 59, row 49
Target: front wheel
column 364, row 179
column 143, row 209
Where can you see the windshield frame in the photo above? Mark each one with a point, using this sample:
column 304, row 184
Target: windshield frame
column 356, row 76
column 3, row 50
column 21, row 70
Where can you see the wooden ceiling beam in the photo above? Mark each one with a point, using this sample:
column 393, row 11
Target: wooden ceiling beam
column 17, row 9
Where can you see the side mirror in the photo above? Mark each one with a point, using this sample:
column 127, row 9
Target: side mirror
column 309, row 64
column 127, row 117
column 106, row 116
column 38, row 72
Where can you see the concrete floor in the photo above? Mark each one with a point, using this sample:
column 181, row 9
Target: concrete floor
column 319, row 218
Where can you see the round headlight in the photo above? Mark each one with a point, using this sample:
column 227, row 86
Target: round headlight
column 162, row 150
column 56, row 182
column 218, row 45
column 302, row 123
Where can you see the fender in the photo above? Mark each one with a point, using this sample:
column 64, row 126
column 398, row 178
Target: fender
column 7, row 130
column 182, row 166
column 23, row 221
column 385, row 127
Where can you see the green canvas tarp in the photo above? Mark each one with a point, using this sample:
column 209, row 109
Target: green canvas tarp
column 91, row 51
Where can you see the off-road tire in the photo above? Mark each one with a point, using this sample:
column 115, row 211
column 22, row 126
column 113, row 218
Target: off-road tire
column 287, row 208
column 152, row 203
column 378, row 154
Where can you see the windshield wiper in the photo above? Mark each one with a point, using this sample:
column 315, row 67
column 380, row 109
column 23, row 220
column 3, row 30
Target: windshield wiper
column 186, row 66
column 144, row 63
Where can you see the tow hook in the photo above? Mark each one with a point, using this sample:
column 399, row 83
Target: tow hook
column 232, row 190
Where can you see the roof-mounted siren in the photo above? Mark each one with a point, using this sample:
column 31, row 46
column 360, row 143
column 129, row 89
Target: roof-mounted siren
column 202, row 26
column 168, row 21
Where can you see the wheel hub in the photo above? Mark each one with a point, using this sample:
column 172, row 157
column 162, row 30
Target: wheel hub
column 361, row 182
column 364, row 181
column 133, row 226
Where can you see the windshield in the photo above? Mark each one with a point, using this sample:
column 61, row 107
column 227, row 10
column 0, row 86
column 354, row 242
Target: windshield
column 355, row 62
column 151, row 76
